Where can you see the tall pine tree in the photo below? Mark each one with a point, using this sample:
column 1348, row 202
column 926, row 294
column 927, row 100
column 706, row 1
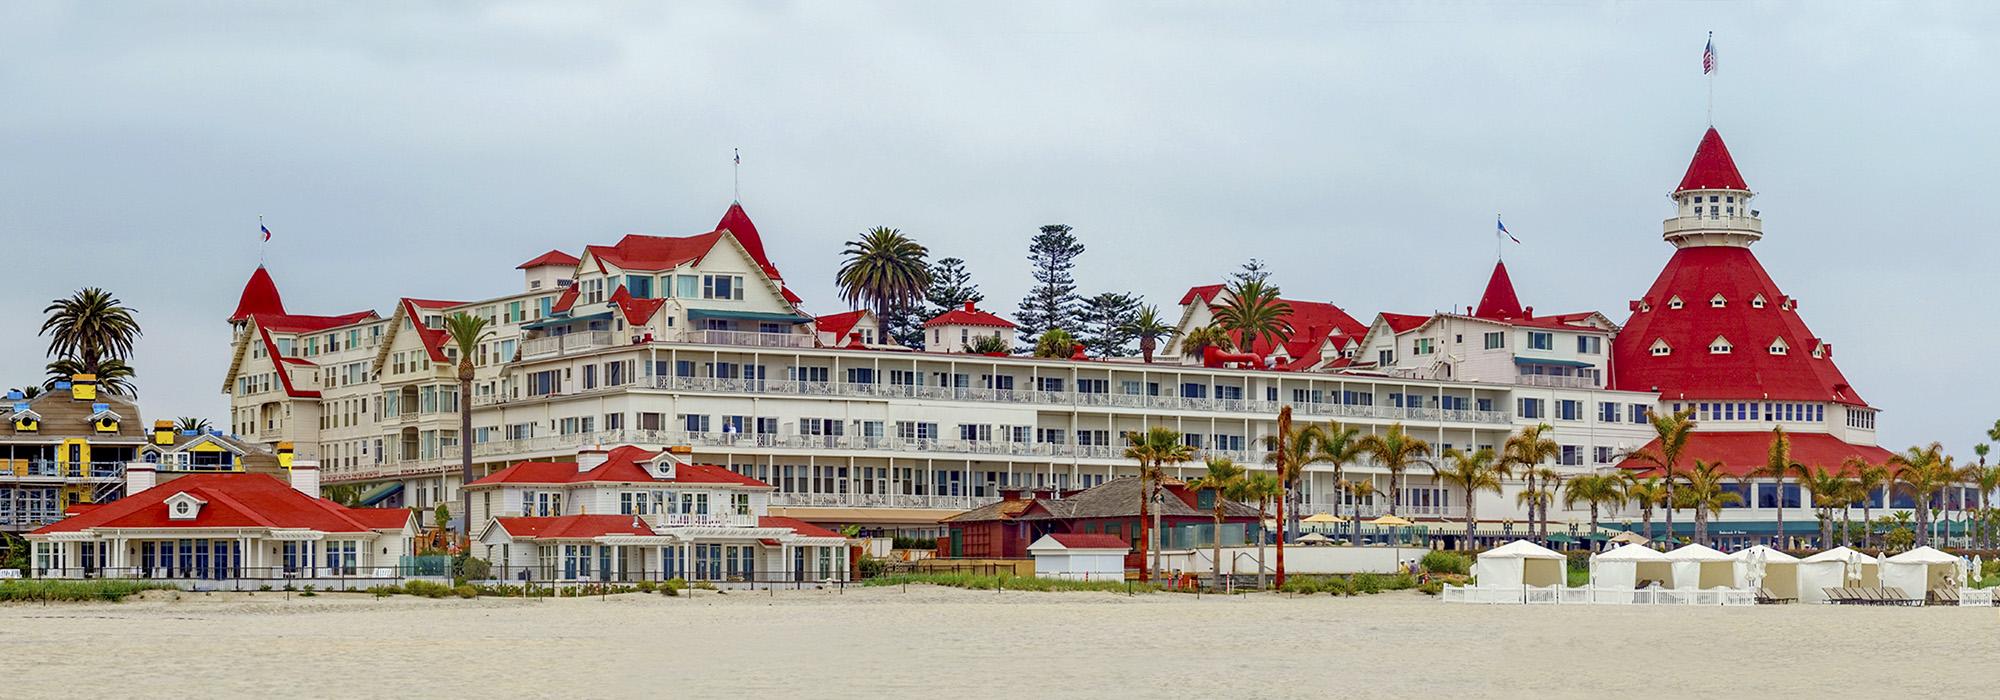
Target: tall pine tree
column 1106, row 320
column 1052, row 302
column 951, row 286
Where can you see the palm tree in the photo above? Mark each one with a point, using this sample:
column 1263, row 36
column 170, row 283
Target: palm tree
column 1254, row 312
column 1055, row 343
column 1193, row 341
column 344, row 494
column 1153, row 449
column 466, row 332
column 1286, row 460
column 30, row 391
column 1150, row 329
column 1868, row 480
column 1707, row 495
column 1471, row 473
column 113, row 375
column 1396, row 451
column 1225, row 480
column 1262, row 489
column 1289, row 453
column 885, row 270
column 1987, row 482
column 191, row 424
column 1978, row 476
column 1361, row 491
column 1598, row 490
column 1828, row 490
column 1671, row 431
column 90, row 326
column 1648, row 493
column 1534, row 497
column 1778, row 465
column 1523, row 453
column 1338, row 445
column 1922, row 472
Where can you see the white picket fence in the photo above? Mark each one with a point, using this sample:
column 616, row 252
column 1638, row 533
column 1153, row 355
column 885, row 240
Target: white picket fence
column 1982, row 597
column 1587, row 595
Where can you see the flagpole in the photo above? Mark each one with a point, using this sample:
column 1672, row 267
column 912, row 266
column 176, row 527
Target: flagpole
column 262, row 240
column 1499, row 247
column 736, row 176
column 1711, row 81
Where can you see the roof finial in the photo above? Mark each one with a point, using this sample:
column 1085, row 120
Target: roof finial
column 736, row 177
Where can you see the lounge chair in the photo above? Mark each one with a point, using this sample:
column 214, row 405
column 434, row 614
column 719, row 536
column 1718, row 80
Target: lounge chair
column 1844, row 596
column 1766, row 597
column 1896, row 596
column 1944, row 596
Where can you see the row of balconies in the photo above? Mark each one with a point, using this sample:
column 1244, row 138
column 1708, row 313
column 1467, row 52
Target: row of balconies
column 577, row 343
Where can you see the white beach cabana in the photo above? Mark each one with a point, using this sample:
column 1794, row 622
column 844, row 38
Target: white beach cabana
column 1625, row 567
column 1835, row 568
column 1519, row 563
column 1780, row 575
column 1080, row 557
column 1922, row 570
column 1698, row 567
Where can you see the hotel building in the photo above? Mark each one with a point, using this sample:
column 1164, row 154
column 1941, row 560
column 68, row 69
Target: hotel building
column 696, row 341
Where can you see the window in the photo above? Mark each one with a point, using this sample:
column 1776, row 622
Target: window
column 1719, row 346
column 1661, row 348
column 1539, row 340
column 1607, row 411
column 1384, row 358
column 639, row 286
column 1603, row 454
column 1717, row 302
column 1496, row 340
column 1531, row 408
column 1779, row 347
column 722, row 287
column 1675, row 303
column 1422, row 346
column 690, row 287
column 1757, row 302
column 1639, row 411
column 1589, row 345
column 1572, row 456
column 1569, row 409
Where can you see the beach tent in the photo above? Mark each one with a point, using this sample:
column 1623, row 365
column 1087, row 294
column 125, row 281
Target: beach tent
column 1835, row 568
column 1314, row 538
column 1699, row 567
column 1629, row 537
column 1922, row 570
column 1625, row 567
column 1780, row 575
column 1080, row 557
column 1519, row 563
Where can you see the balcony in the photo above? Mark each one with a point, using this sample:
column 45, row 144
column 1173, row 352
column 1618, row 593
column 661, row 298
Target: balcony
column 879, row 500
column 59, row 472
column 570, row 344
column 705, row 520
column 751, row 339
column 1557, row 381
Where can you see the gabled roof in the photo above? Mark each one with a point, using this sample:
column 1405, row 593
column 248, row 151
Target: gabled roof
column 301, row 323
column 1740, row 452
column 1206, row 292
column 553, row 257
column 1401, row 323
column 738, row 224
column 802, row 527
column 434, row 304
column 566, row 300
column 621, row 465
column 574, row 527
column 260, row 296
column 654, row 253
column 1712, row 168
column 840, row 324
column 1078, row 540
column 1699, row 272
column 232, row 500
column 637, row 311
column 1499, row 300
column 968, row 316
column 278, row 365
column 433, row 339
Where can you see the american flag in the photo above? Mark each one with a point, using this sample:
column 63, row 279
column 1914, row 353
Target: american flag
column 266, row 230
column 1503, row 229
column 1708, row 56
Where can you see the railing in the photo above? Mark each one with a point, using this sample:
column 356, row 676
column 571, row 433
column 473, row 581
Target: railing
column 48, row 469
column 556, row 345
column 36, row 518
column 916, row 501
column 705, row 520
column 751, row 339
column 1380, row 508
column 1595, row 595
column 1557, row 381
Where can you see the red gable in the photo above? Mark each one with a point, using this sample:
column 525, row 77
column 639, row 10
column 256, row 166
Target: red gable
column 840, row 324
column 738, row 224
column 968, row 316
column 260, row 296
column 298, row 323
column 1749, row 370
column 574, row 527
column 1712, row 168
column 553, row 257
column 1399, row 323
column 432, row 339
column 650, row 253
column 621, row 465
column 567, row 300
column 637, row 311
column 801, row 527
column 231, row 500
column 1740, row 452
column 1499, row 301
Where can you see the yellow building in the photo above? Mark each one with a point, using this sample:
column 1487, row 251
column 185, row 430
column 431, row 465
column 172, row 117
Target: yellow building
column 64, row 447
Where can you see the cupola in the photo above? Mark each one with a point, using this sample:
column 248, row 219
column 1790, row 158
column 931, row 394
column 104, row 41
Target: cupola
column 1712, row 203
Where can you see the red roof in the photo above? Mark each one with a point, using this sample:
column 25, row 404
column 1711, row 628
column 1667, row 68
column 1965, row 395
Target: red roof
column 637, row 311
column 802, row 527
column 566, row 300
column 300, row 323
column 1499, row 301
column 621, row 465
column 738, row 224
column 433, row 339
column 1077, row 540
column 1712, row 168
column 1205, row 292
column 637, row 252
column 260, row 296
column 1741, row 452
column 574, row 527
column 1399, row 323
column 433, row 304
column 278, row 363
column 1749, row 370
column 839, row 324
column 553, row 257
column 232, row 500
column 1315, row 318
column 968, row 316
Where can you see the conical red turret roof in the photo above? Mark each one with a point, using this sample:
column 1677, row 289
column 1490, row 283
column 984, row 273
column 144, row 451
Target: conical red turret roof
column 260, row 296
column 1712, row 168
column 1499, row 300
column 738, row 224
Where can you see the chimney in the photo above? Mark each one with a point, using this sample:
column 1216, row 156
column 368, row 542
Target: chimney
column 140, row 476
column 968, row 305
column 1010, row 494
column 305, row 476
column 590, row 458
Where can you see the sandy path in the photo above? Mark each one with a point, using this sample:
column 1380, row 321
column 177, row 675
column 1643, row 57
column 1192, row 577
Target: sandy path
column 942, row 643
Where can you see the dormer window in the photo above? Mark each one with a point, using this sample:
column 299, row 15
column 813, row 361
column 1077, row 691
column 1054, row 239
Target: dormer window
column 1661, row 348
column 1819, row 351
column 1780, row 347
column 183, row 506
column 1757, row 302
column 1645, row 307
column 1717, row 302
column 1675, row 303
column 1719, row 346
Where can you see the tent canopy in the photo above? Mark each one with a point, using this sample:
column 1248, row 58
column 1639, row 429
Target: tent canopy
column 1631, row 552
column 1839, row 554
column 1923, row 555
column 1630, row 538
column 1771, row 556
column 1696, row 552
column 1522, row 549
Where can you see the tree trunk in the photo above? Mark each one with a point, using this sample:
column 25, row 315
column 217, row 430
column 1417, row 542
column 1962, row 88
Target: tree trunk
column 465, row 452
column 1216, row 538
column 1700, row 525
column 1395, row 490
column 1646, row 516
column 1145, row 526
column 1867, row 525
column 1670, row 508
column 1146, row 347
column 1528, row 487
column 1781, row 515
column 1471, row 516
column 1593, row 521
column 1160, row 541
column 1282, row 495
column 1263, row 579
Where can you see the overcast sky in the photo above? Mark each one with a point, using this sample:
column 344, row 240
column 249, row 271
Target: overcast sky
column 1362, row 150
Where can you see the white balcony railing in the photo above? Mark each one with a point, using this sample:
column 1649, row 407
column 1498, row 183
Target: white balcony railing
column 1557, row 381
column 557, row 345
column 751, row 339
column 705, row 520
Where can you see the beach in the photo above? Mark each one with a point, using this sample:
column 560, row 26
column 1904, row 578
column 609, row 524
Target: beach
column 936, row 642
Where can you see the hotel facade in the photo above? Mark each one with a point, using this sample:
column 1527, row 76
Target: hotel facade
column 696, row 341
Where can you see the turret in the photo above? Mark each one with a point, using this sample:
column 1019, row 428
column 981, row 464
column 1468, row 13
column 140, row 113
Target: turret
column 1712, row 203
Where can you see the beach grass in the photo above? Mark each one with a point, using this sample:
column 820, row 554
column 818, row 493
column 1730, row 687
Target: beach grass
column 69, row 590
column 1010, row 583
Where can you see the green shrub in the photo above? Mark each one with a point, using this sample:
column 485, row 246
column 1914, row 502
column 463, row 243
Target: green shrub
column 1442, row 562
column 1338, row 586
column 1303, row 585
column 1432, row 588
column 870, row 567
column 704, row 585
column 465, row 591
column 1579, row 561
column 426, row 589
column 647, row 586
column 915, row 543
column 384, row 591
column 71, row 590
column 1011, row 583
column 676, row 583
column 473, row 568
column 264, row 587
column 670, row 592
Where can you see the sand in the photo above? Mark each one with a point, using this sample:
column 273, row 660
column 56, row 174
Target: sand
column 946, row 643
